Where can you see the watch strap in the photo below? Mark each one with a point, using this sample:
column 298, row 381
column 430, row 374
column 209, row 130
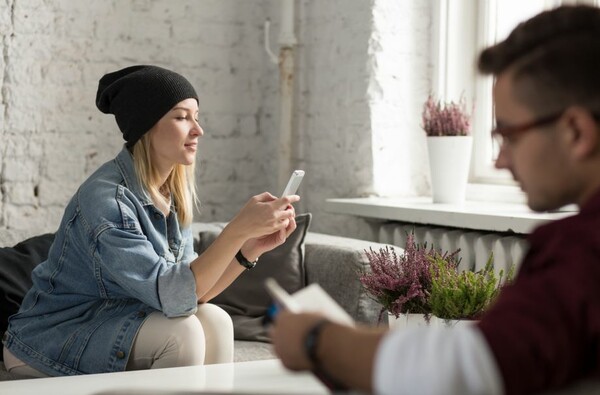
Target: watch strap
column 244, row 261
column 311, row 343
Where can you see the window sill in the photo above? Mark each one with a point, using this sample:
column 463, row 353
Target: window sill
column 488, row 216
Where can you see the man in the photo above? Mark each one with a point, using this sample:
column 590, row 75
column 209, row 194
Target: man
column 544, row 330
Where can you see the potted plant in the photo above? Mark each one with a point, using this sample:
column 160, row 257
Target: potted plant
column 402, row 283
column 463, row 295
column 449, row 141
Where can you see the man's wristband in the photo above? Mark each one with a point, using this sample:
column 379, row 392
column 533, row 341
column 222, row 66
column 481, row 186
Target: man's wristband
column 311, row 342
column 244, row 261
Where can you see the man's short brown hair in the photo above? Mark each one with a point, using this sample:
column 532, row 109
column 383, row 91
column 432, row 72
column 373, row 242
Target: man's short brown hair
column 554, row 59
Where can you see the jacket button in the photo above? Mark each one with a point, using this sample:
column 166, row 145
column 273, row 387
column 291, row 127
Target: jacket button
column 120, row 354
column 141, row 314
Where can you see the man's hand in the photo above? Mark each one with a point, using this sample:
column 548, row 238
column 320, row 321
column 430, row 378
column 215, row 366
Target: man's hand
column 345, row 353
column 288, row 334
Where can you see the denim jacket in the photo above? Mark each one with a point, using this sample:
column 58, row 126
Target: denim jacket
column 115, row 259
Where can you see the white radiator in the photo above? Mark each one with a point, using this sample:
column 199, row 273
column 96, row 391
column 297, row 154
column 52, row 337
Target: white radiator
column 475, row 246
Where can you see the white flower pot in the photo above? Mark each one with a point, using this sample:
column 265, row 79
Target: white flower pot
column 407, row 321
column 449, row 159
column 445, row 323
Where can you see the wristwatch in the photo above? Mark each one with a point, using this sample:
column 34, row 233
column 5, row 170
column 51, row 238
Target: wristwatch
column 311, row 341
column 245, row 262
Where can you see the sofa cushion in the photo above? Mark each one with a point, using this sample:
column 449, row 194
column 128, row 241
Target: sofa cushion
column 246, row 299
column 336, row 263
column 252, row 351
column 16, row 264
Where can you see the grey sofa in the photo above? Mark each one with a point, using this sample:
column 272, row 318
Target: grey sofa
column 331, row 261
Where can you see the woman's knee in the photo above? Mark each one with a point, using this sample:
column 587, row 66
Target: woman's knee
column 168, row 342
column 187, row 328
column 218, row 331
column 214, row 316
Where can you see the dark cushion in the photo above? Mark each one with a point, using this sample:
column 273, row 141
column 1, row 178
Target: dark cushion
column 16, row 264
column 246, row 300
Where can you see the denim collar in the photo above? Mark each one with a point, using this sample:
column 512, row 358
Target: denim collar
column 124, row 162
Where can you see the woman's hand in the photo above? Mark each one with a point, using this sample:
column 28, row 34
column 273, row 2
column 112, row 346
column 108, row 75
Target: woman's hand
column 261, row 225
column 257, row 246
column 266, row 215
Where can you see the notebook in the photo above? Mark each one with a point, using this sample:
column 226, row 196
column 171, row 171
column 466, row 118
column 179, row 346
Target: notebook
column 310, row 299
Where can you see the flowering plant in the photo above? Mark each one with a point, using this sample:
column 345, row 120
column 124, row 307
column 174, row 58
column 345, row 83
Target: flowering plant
column 401, row 284
column 448, row 119
column 457, row 295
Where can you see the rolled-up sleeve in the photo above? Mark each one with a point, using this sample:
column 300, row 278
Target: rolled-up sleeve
column 127, row 259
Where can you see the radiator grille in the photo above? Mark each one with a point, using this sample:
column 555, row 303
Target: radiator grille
column 475, row 246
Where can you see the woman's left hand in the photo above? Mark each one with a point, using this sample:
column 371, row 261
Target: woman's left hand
column 255, row 247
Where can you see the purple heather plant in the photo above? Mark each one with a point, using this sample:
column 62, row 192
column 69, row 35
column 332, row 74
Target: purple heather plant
column 399, row 283
column 402, row 284
column 449, row 119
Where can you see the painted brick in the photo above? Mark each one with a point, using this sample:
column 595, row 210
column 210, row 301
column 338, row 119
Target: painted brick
column 20, row 169
column 21, row 193
column 361, row 65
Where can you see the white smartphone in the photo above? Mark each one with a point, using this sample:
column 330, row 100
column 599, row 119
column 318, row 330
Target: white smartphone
column 293, row 183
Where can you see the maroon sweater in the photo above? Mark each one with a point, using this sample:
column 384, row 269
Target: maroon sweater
column 544, row 330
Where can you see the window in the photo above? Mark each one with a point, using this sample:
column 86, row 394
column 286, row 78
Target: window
column 464, row 28
column 497, row 19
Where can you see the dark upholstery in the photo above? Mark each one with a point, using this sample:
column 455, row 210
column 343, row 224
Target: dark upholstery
column 16, row 264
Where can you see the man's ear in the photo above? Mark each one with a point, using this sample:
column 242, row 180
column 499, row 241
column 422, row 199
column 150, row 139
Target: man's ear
column 584, row 138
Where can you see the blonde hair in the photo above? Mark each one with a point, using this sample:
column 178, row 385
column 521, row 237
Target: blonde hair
column 181, row 182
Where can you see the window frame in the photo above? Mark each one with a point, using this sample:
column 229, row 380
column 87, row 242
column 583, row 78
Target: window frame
column 461, row 27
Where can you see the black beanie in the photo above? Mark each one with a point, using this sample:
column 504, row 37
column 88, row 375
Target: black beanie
column 139, row 96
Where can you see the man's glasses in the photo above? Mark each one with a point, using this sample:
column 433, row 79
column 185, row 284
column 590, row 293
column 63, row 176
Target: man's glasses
column 501, row 134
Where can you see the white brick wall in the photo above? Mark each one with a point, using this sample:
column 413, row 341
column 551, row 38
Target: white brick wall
column 399, row 84
column 54, row 52
column 363, row 74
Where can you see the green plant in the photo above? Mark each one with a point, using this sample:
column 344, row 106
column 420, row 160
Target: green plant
column 464, row 294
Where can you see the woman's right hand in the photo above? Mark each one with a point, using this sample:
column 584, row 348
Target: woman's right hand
column 262, row 215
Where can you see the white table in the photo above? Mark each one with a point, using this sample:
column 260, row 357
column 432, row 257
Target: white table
column 263, row 377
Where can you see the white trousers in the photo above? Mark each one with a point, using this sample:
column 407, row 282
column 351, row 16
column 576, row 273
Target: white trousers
column 161, row 342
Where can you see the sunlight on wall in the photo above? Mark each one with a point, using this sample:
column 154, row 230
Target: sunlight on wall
column 399, row 84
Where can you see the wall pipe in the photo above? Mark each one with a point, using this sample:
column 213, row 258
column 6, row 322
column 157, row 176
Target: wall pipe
column 287, row 41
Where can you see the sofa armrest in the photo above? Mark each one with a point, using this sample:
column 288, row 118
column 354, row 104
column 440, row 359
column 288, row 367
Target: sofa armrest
column 335, row 263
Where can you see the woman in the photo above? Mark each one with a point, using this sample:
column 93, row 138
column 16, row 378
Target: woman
column 122, row 288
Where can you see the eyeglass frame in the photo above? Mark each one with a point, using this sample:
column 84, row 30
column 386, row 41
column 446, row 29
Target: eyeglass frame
column 500, row 132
